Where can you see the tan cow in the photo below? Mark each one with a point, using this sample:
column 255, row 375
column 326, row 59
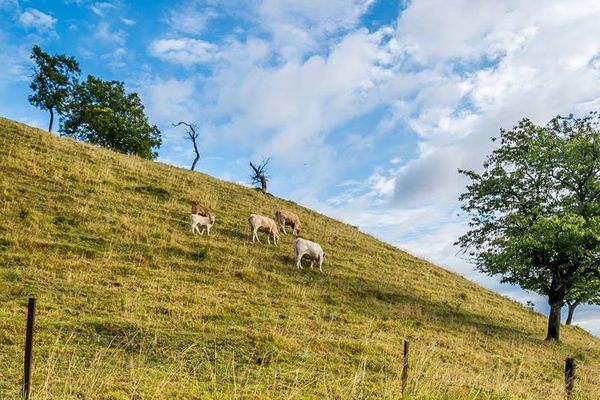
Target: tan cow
column 288, row 218
column 260, row 223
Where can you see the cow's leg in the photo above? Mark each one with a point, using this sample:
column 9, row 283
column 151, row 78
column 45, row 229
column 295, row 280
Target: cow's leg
column 299, row 261
column 321, row 263
column 312, row 262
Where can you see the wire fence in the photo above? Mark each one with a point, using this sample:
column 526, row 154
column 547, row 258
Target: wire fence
column 570, row 368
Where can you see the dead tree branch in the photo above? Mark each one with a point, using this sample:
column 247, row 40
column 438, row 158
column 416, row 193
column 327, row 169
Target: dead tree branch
column 259, row 175
column 192, row 133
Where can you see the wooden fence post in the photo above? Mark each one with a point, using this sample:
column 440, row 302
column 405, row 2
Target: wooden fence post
column 569, row 376
column 28, row 349
column 405, row 367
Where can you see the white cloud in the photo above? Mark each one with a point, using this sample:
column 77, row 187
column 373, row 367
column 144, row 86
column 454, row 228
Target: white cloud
column 298, row 27
column 171, row 100
column 185, row 51
column 128, row 21
column 32, row 18
column 104, row 33
column 190, row 18
column 102, row 8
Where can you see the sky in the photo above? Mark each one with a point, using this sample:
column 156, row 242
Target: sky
column 366, row 108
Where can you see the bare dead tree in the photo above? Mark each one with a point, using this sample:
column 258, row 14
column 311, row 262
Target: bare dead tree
column 192, row 133
column 259, row 175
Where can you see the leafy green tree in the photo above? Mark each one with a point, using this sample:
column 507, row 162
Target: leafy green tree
column 102, row 113
column 53, row 79
column 535, row 209
column 583, row 291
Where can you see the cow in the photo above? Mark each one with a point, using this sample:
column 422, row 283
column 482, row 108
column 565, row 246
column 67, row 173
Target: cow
column 205, row 222
column 312, row 250
column 260, row 223
column 199, row 209
column 288, row 218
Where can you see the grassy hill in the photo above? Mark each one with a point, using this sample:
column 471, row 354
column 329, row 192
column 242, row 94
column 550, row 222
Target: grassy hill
column 132, row 306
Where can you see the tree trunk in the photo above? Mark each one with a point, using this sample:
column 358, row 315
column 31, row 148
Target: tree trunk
column 51, row 120
column 263, row 185
column 195, row 161
column 572, row 307
column 193, row 137
column 554, row 320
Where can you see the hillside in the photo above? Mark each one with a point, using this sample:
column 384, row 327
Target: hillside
column 132, row 306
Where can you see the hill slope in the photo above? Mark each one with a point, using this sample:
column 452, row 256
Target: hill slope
column 132, row 306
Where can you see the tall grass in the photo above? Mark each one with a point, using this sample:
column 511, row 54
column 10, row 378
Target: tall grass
column 132, row 306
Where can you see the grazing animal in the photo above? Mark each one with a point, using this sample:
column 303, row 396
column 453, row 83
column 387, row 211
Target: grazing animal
column 288, row 218
column 199, row 209
column 260, row 223
column 312, row 250
column 205, row 222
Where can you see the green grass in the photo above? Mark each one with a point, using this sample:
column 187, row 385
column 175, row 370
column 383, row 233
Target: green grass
column 132, row 306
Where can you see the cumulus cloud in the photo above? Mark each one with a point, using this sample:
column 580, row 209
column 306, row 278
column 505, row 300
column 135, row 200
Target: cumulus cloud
column 32, row 18
column 184, row 51
column 298, row 27
column 540, row 69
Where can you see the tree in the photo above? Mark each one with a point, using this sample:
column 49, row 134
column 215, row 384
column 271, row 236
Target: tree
column 53, row 80
column 102, row 113
column 191, row 131
column 535, row 209
column 259, row 175
column 583, row 291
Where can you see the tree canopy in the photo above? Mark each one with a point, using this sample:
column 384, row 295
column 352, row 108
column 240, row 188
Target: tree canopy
column 535, row 209
column 53, row 79
column 102, row 113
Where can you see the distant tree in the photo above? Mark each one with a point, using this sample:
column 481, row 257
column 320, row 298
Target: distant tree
column 192, row 134
column 583, row 291
column 102, row 113
column 535, row 209
column 53, row 80
column 259, row 176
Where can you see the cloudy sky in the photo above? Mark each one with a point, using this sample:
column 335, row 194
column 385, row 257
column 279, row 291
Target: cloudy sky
column 367, row 108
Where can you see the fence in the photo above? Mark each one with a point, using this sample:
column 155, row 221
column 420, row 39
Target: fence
column 570, row 366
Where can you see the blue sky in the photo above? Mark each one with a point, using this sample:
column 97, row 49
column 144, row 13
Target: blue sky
column 367, row 108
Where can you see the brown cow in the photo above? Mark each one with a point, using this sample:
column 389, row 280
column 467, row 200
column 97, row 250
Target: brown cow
column 288, row 218
column 200, row 210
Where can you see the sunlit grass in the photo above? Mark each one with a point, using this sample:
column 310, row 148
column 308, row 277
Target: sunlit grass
column 131, row 305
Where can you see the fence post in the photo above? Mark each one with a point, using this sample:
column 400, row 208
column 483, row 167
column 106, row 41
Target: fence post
column 569, row 376
column 405, row 367
column 28, row 348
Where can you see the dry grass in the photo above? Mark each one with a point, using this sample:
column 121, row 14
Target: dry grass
column 132, row 306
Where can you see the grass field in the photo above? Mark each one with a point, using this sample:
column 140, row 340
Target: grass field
column 132, row 306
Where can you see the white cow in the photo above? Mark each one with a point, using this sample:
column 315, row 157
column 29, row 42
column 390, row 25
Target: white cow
column 260, row 223
column 205, row 222
column 312, row 250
